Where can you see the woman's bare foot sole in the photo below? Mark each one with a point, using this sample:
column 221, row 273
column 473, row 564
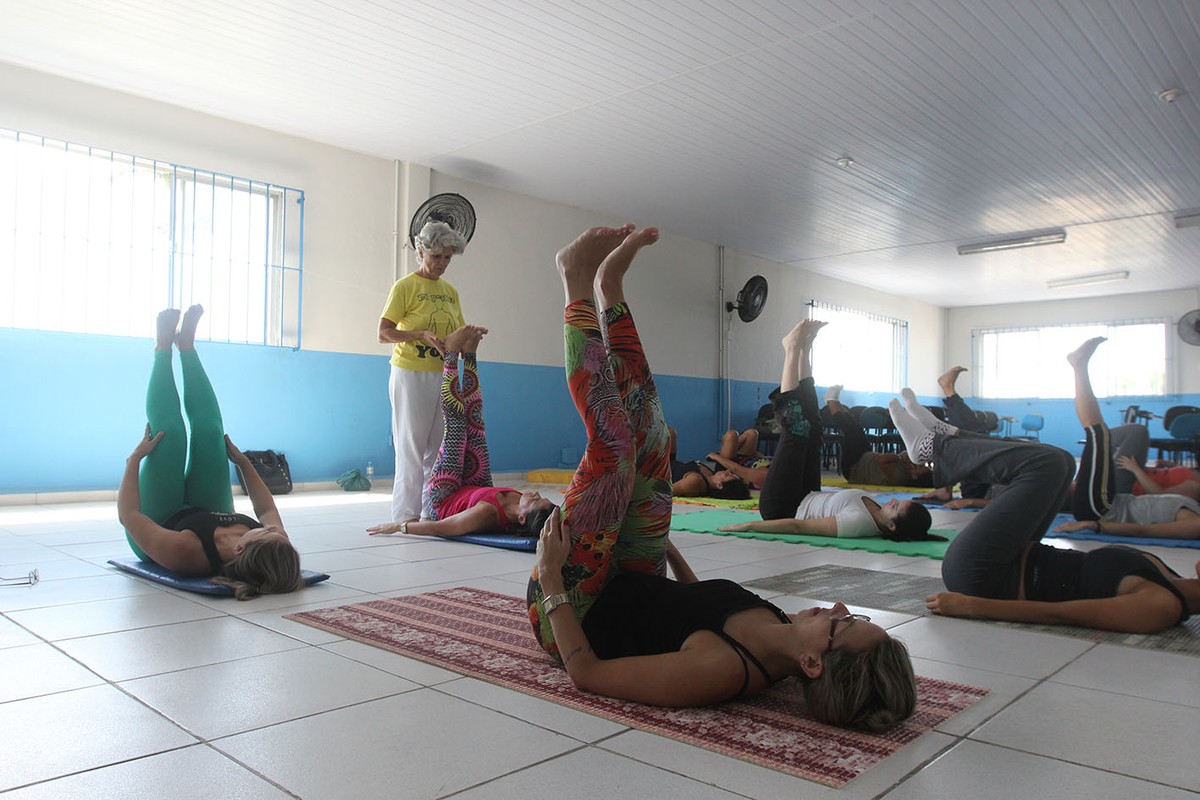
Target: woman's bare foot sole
column 611, row 277
column 948, row 378
column 1084, row 353
column 186, row 338
column 803, row 334
column 168, row 321
column 458, row 341
column 583, row 256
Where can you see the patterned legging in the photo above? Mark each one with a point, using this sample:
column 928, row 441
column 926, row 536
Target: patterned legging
column 618, row 504
column 463, row 459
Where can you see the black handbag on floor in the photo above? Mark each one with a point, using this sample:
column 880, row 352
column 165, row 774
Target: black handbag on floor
column 272, row 467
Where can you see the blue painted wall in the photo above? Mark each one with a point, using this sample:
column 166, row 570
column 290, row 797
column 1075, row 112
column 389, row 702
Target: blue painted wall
column 72, row 409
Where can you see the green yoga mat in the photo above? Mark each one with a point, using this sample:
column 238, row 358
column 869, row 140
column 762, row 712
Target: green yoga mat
column 709, row 521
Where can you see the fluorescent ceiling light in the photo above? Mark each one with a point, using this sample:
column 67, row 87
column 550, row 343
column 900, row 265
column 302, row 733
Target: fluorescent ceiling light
column 1049, row 237
column 1088, row 280
column 1187, row 220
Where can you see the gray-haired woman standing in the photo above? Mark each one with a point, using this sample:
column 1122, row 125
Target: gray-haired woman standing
column 421, row 310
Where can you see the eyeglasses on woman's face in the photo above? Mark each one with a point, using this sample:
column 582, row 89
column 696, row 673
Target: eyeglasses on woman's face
column 849, row 619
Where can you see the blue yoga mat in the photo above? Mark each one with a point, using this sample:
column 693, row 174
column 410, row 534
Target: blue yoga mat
column 505, row 541
column 159, row 574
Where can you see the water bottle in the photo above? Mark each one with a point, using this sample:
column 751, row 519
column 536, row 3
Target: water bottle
column 370, row 471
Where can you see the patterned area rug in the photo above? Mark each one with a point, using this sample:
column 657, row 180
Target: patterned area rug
column 892, row 591
column 487, row 636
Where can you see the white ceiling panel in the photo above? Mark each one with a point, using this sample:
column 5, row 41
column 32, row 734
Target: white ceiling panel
column 722, row 121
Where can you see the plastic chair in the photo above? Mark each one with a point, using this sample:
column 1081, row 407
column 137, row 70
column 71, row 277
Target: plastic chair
column 1185, row 438
column 1033, row 424
column 876, row 422
column 1168, row 443
column 988, row 421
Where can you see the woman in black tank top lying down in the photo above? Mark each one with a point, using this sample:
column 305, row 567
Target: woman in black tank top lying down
column 183, row 519
column 998, row 568
column 599, row 599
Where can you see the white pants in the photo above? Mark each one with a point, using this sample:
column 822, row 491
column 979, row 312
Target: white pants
column 417, row 436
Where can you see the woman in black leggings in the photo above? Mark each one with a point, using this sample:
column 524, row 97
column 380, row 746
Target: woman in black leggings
column 997, row 567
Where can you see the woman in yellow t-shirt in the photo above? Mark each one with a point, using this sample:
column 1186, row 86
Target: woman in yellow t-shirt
column 421, row 310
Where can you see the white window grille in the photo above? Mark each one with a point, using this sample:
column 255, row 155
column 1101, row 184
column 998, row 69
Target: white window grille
column 859, row 350
column 94, row 241
column 1031, row 362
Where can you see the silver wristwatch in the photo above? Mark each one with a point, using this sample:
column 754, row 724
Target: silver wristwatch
column 552, row 602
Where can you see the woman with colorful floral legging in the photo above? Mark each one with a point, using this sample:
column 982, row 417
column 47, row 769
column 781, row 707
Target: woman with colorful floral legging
column 462, row 498
column 635, row 634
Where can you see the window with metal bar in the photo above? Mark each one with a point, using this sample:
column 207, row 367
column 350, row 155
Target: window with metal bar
column 1031, row 362
column 860, row 350
column 94, row 241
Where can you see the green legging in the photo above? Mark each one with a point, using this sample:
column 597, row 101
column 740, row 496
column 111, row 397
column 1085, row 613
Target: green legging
column 181, row 473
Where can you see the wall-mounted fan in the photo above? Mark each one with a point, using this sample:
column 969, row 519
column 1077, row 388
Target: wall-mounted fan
column 1189, row 326
column 452, row 209
column 750, row 300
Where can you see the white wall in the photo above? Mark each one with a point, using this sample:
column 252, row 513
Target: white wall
column 1185, row 358
column 506, row 278
column 508, row 282
column 349, row 196
column 754, row 347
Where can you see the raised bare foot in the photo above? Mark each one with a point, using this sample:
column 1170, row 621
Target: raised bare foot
column 456, row 342
column 802, row 336
column 168, row 321
column 1084, row 354
column 948, row 378
column 579, row 261
column 474, row 337
column 186, row 338
column 609, row 282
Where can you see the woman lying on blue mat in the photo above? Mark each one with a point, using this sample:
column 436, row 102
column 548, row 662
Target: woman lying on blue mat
column 1095, row 503
column 183, row 519
column 462, row 499
column 599, row 598
column 997, row 568
column 791, row 499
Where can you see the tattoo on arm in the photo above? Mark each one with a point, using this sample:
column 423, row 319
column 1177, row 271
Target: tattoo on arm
column 574, row 653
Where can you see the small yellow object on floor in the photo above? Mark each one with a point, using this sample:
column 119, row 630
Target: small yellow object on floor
column 550, row 476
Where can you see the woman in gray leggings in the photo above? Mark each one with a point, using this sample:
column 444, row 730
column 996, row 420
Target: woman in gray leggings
column 997, row 567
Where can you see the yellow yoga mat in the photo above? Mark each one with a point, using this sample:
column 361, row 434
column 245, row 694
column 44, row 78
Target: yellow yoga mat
column 550, row 475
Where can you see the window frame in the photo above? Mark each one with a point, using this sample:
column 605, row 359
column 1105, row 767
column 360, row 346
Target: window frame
column 116, row 237
column 1103, row 384
column 820, row 309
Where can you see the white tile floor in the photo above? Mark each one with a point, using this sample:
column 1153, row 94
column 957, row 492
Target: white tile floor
column 113, row 687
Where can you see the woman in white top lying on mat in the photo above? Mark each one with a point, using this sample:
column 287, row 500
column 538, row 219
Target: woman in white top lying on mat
column 462, row 499
column 183, row 519
column 599, row 598
column 997, row 568
column 791, row 499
